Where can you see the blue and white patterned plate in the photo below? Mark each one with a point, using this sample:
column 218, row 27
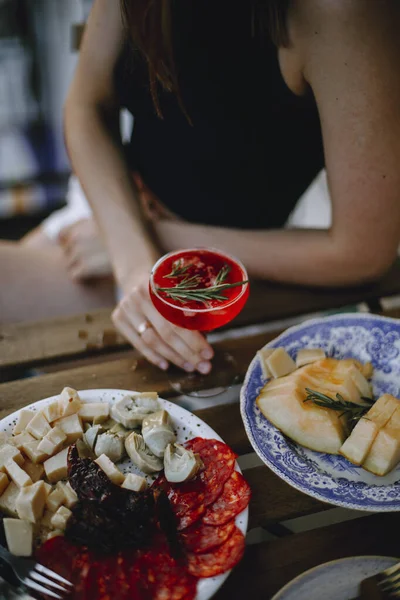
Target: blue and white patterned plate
column 327, row 477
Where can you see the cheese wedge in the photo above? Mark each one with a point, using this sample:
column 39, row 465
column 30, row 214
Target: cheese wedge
column 263, row 355
column 19, row 536
column 70, row 497
column 38, row 426
column 22, row 438
column 30, row 449
column 56, row 467
column 53, row 441
column 308, row 356
column 35, row 472
column 359, row 443
column 31, row 501
column 383, row 409
column 109, row 468
column 8, row 500
column 52, row 411
column 134, row 482
column 24, row 417
column 69, row 402
column 8, row 453
column 94, row 410
column 4, row 481
column 385, row 452
column 55, row 499
column 279, row 363
column 18, row 475
column 60, row 518
column 71, row 426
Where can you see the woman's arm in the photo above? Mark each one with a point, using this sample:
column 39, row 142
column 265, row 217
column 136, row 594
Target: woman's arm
column 349, row 53
column 93, row 142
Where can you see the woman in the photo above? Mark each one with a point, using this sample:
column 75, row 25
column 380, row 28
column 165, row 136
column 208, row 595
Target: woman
column 229, row 131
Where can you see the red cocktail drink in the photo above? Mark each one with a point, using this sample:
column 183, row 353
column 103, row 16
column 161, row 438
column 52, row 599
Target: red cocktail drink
column 199, row 288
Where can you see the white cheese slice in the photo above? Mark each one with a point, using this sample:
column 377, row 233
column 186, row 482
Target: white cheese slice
column 307, row 356
column 56, row 467
column 60, row 518
column 22, row 438
column 53, row 441
column 69, row 402
column 31, row 501
column 112, row 472
column 94, row 410
column 55, row 499
column 383, row 409
column 134, row 482
column 32, row 452
column 385, row 452
column 9, row 452
column 24, row 417
column 18, row 475
column 4, row 481
column 361, row 383
column 70, row 497
column 35, row 472
column 38, row 426
column 52, row 411
column 19, row 536
column 71, row 426
column 280, row 363
column 8, row 500
column 358, row 444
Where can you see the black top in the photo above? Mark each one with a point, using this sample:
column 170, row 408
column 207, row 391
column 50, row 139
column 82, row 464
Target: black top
column 253, row 148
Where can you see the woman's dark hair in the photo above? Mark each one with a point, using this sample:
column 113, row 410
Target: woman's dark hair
column 149, row 27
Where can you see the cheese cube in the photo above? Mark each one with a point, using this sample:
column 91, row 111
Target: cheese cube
column 46, row 519
column 31, row 501
column 56, row 467
column 59, row 520
column 71, row 426
column 55, row 499
column 53, row 441
column 52, row 411
column 9, row 452
column 385, row 452
column 48, row 487
column 94, row 410
column 280, row 363
column 263, row 355
column 4, row 438
column 35, row 472
column 18, row 475
column 19, row 536
column 32, row 452
column 358, row 444
column 8, row 500
column 4, row 481
column 135, row 483
column 69, row 402
column 38, row 426
column 70, row 497
column 24, row 418
column 109, row 468
column 22, row 438
column 309, row 355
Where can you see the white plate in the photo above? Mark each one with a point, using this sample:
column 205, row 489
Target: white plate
column 187, row 426
column 335, row 580
column 327, row 477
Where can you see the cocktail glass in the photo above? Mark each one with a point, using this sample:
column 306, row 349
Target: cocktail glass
column 201, row 289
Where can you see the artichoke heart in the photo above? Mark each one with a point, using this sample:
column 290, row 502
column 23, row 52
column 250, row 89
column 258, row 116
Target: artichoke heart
column 180, row 464
column 141, row 455
column 158, row 432
column 131, row 410
column 112, row 445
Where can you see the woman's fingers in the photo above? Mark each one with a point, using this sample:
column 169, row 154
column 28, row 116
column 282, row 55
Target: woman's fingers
column 161, row 339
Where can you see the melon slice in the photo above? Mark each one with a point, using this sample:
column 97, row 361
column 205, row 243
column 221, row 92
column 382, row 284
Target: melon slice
column 358, row 444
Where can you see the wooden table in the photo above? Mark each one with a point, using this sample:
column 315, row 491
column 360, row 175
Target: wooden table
column 63, row 347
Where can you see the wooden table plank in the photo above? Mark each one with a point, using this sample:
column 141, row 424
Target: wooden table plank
column 83, row 335
column 267, row 567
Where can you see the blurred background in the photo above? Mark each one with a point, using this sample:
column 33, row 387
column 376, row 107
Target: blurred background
column 39, row 42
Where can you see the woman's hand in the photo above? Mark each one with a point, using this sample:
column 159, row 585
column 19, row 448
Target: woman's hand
column 84, row 250
column 157, row 339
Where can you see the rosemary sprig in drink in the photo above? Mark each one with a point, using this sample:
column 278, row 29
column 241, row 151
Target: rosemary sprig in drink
column 186, row 290
column 178, row 268
column 354, row 411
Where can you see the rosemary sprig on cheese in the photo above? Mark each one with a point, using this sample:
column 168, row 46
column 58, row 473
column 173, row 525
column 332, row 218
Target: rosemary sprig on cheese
column 350, row 409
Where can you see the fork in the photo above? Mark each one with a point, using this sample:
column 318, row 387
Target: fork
column 386, row 584
column 35, row 576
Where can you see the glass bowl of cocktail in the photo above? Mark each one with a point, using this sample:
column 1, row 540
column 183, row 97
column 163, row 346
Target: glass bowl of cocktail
column 201, row 289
